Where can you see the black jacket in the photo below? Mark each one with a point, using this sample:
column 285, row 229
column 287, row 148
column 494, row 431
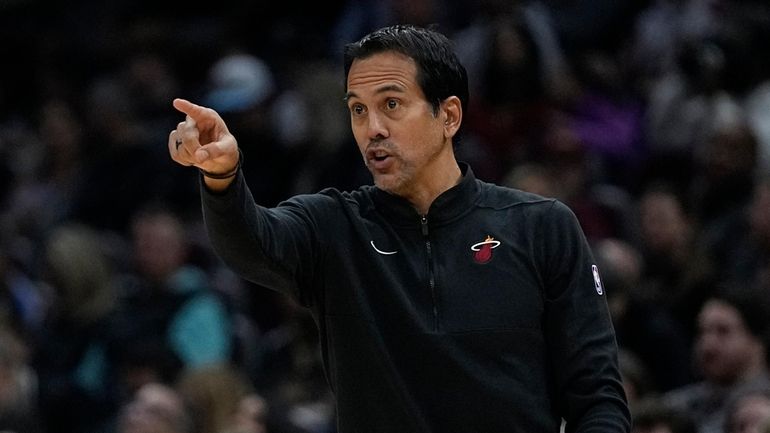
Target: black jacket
column 485, row 315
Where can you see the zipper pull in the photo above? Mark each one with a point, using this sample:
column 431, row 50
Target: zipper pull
column 424, row 224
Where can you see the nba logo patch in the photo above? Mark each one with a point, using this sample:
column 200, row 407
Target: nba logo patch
column 597, row 280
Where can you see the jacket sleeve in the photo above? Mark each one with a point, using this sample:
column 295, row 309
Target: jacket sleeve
column 578, row 329
column 273, row 247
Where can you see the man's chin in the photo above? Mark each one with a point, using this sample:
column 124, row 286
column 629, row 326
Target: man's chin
column 387, row 183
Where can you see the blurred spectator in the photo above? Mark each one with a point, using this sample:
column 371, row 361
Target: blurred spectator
column 726, row 162
column 155, row 408
column 150, row 81
column 47, row 170
column 606, row 115
column 603, row 210
column 23, row 302
column 749, row 23
column 680, row 109
column 316, row 134
column 289, row 373
column 730, row 353
column 245, row 306
column 648, row 334
column 119, row 140
column 678, row 275
column 757, row 105
column 516, row 69
column 238, row 82
column 661, row 30
column 742, row 244
column 77, row 383
column 251, row 416
column 18, row 386
column 215, row 394
column 169, row 318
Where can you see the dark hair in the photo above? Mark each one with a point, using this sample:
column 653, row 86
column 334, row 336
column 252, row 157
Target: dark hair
column 751, row 303
column 439, row 72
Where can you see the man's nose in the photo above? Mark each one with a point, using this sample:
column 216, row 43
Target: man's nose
column 376, row 126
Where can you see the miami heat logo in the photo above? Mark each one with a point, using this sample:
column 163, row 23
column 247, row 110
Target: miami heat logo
column 482, row 251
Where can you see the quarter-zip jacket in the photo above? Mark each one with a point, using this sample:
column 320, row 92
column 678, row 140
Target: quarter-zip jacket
column 485, row 315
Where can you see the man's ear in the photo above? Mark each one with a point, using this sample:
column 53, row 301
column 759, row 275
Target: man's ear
column 452, row 113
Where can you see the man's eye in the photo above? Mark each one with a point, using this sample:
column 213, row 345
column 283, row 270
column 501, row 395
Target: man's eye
column 392, row 104
column 357, row 109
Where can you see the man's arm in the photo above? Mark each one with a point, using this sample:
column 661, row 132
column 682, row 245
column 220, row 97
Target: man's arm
column 274, row 248
column 579, row 332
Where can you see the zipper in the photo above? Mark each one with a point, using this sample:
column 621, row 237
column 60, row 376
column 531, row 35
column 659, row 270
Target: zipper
column 429, row 263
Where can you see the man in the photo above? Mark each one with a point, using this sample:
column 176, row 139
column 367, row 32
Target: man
column 444, row 304
column 731, row 356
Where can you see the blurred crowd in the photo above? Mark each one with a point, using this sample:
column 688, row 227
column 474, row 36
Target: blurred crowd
column 649, row 118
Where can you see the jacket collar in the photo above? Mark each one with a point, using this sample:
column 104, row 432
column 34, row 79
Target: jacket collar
column 447, row 206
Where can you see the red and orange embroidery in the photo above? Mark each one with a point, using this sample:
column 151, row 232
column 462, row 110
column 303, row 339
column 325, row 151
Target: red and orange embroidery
column 483, row 250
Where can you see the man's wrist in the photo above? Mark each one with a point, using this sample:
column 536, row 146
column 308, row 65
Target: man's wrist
column 226, row 175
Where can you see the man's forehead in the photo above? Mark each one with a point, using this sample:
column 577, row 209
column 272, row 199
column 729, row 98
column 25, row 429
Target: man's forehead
column 386, row 69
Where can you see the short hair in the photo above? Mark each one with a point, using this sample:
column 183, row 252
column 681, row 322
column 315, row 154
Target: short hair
column 439, row 72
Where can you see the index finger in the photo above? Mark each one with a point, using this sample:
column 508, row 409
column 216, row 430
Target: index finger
column 194, row 111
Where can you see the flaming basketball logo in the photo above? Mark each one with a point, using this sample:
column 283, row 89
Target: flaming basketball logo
column 483, row 250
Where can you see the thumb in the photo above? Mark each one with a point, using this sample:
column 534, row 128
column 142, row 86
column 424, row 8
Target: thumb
column 220, row 154
column 202, row 155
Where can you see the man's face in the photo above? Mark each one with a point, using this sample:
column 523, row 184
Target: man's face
column 159, row 246
column 664, row 223
column 394, row 126
column 724, row 346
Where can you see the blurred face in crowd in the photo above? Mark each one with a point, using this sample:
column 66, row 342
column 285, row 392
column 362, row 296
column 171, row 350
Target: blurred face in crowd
column 725, row 349
column 400, row 137
column 159, row 245
column 154, row 409
column 664, row 223
column 250, row 416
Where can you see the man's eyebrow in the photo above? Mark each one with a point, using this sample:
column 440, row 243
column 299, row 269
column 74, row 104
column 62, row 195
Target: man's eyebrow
column 383, row 89
column 349, row 95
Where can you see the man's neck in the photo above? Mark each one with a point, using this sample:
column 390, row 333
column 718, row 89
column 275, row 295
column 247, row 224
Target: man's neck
column 440, row 179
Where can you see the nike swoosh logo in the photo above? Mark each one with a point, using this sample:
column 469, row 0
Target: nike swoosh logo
column 384, row 253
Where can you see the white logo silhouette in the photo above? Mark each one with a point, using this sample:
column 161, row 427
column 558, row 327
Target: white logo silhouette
column 384, row 253
column 597, row 280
